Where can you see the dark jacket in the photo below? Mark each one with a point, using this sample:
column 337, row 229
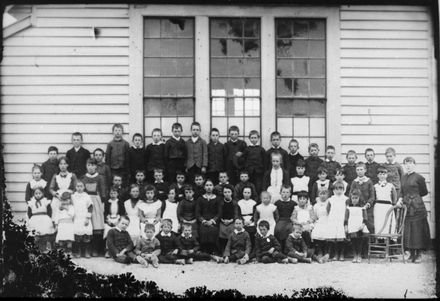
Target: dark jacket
column 77, row 161
column 254, row 157
column 216, row 157
column 284, row 160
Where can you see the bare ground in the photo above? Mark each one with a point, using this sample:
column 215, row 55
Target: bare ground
column 379, row 279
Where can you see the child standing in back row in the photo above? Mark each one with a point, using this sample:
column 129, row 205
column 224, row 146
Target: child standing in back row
column 155, row 155
column 77, row 156
column 197, row 150
column 234, row 152
column 136, row 156
column 275, row 178
column 371, row 165
column 350, row 167
column 395, row 170
column 300, row 182
column 175, row 152
column 254, row 156
column 117, row 155
column 293, row 157
column 330, row 163
column 275, row 140
column 312, row 163
column 216, row 156
column 50, row 167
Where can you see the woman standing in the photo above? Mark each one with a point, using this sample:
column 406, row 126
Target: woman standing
column 416, row 232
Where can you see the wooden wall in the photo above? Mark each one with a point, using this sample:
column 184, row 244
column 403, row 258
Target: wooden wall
column 56, row 79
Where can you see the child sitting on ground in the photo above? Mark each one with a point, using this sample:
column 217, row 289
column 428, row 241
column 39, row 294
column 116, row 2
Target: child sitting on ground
column 148, row 248
column 238, row 247
column 119, row 243
column 169, row 244
column 267, row 247
column 189, row 246
column 296, row 246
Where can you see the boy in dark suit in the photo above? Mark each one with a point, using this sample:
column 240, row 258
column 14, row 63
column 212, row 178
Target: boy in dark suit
column 77, row 156
column 254, row 156
column 175, row 152
column 234, row 152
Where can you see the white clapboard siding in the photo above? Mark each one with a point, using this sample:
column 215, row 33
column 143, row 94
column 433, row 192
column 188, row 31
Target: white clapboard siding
column 385, row 83
column 58, row 77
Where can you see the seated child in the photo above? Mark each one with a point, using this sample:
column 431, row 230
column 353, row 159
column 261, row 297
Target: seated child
column 296, row 246
column 186, row 211
column 113, row 210
column 300, row 182
column 238, row 247
column 160, row 185
column 244, row 181
column 304, row 216
column 267, row 247
column 246, row 208
column 169, row 244
column 119, row 243
column 64, row 223
column 189, row 246
column 169, row 208
column 223, row 179
column 321, row 184
column 147, row 248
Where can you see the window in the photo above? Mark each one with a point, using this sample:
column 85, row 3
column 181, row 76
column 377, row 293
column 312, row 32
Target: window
column 235, row 74
column 168, row 74
column 301, row 80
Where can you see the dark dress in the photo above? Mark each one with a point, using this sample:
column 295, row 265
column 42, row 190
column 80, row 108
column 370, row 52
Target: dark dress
column 229, row 211
column 207, row 209
column 284, row 225
column 186, row 213
column 416, row 232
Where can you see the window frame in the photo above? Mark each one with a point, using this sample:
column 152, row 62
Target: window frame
column 202, row 13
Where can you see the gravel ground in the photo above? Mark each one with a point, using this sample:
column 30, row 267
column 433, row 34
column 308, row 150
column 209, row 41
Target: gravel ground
column 378, row 279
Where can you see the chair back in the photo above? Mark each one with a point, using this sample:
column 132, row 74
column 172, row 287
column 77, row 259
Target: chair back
column 400, row 219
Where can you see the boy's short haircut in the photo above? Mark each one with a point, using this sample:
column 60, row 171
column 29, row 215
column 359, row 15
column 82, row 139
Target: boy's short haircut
column 381, row 169
column 114, row 189
column 78, row 134
column 195, row 123
column 124, row 217
column 230, row 187
column 150, row 227
column 137, row 135
column 99, row 150
column 150, row 188
column 339, row 171
column 92, row 161
column 254, row 132
column 284, row 186
column 52, row 148
column 117, row 125
column 199, row 175
column 356, row 192
column 351, row 152
column 225, row 172
column 265, row 193
column 176, row 125
column 300, row 163
column 297, row 226
column 244, row 172
column 180, row 173
column 276, row 153
column 80, row 181
column 186, row 226
column 188, row 187
column 330, row 147
column 273, row 134
column 321, row 170
column 156, row 130
column 338, row 185
column 173, row 187
column 361, row 164
column 116, row 175
column 139, row 171
column 158, row 170
column 264, row 224
column 135, row 186
column 369, row 150
column 167, row 222
column 390, row 150
column 234, row 128
column 409, row 160
column 315, row 145
column 302, row 194
column 214, row 130
column 294, row 140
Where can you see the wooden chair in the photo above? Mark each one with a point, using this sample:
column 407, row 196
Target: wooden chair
column 389, row 245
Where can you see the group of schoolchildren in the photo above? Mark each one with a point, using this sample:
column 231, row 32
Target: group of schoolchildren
column 179, row 201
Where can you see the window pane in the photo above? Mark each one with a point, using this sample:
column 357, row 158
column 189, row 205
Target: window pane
column 168, row 67
column 238, row 122
column 167, row 28
column 184, row 86
column 221, row 124
column 238, row 106
column 252, row 106
column 284, row 126
column 317, row 87
column 218, row 86
column 168, row 107
column 152, row 67
column 185, row 48
column 152, row 107
column 317, row 127
column 316, row 49
column 284, row 48
column 168, row 47
column 151, row 123
column 152, row 86
column 166, row 124
column 251, row 48
column 301, row 127
column 218, row 47
column 185, row 67
column 316, row 29
column 251, row 124
column 317, row 108
column 219, row 67
column 184, row 28
column 185, row 107
column 152, row 28
column 235, row 87
column 168, row 86
column 251, row 28
column 284, row 29
column 235, row 67
column 186, row 125
column 219, row 106
column 284, row 87
column 219, row 28
column 284, row 107
column 299, row 48
column 235, row 28
column 300, row 107
column 252, row 87
column 301, row 87
column 317, row 68
column 300, row 29
column 284, row 68
column 251, row 67
column 235, row 47
column 152, row 48
column 299, row 68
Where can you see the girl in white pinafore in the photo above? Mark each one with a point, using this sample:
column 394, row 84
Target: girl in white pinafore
column 266, row 211
column 82, row 221
column 336, row 207
column 39, row 214
column 150, row 210
column 65, row 235
column 131, row 207
column 170, row 209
